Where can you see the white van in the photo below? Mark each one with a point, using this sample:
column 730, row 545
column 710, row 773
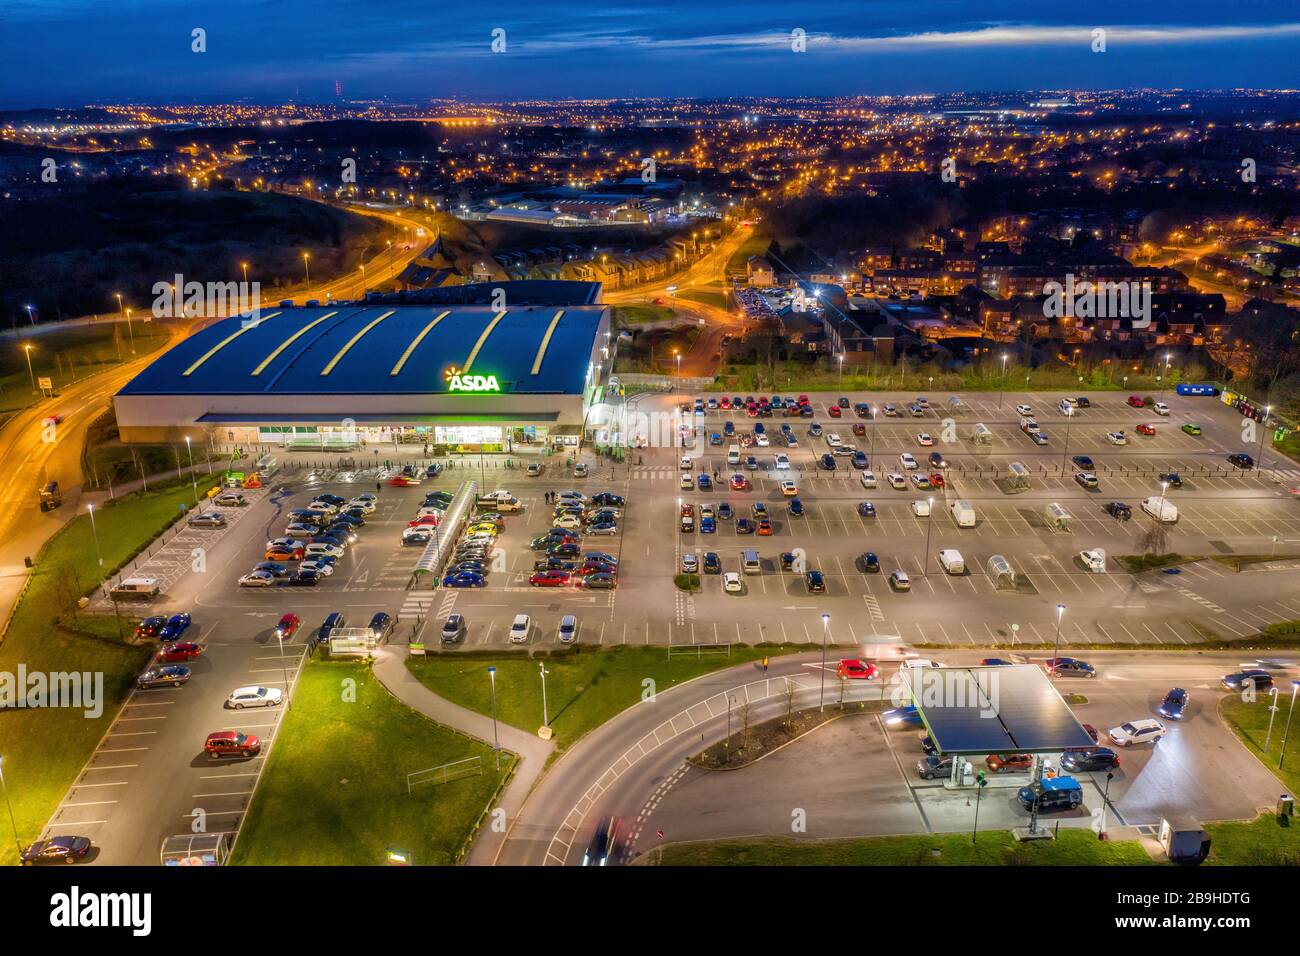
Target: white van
column 749, row 562
column 1162, row 509
column 733, row 455
column 963, row 512
column 952, row 562
column 135, row 589
column 520, row 628
column 502, row 501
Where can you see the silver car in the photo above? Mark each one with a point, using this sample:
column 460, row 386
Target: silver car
column 253, row 696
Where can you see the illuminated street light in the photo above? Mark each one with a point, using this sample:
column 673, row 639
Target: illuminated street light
column 1056, row 647
column 90, row 508
column 826, row 627
column 27, row 350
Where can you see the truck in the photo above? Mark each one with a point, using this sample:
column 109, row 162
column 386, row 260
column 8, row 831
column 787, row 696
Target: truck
column 963, row 512
column 51, row 497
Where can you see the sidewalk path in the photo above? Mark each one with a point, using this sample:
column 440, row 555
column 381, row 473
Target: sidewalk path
column 533, row 752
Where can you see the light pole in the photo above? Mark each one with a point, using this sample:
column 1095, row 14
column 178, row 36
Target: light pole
column 1056, row 646
column 826, row 627
column 1105, row 803
column 983, row 782
column 1295, row 685
column 94, row 533
column 873, row 434
column 130, row 330
column 1003, row 392
column 27, row 350
column 841, row 357
column 244, row 266
column 29, row 314
column 306, row 269
column 189, row 450
column 541, row 669
column 12, row 822
column 929, row 520
column 1065, row 450
column 496, row 746
column 1272, row 712
column 1263, row 428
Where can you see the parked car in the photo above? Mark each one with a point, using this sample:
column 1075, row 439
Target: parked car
column 179, row 652
column 57, row 849
column 172, row 675
column 254, row 696
column 1088, row 761
column 176, row 625
column 231, row 743
column 287, row 626
column 1009, row 763
column 934, row 767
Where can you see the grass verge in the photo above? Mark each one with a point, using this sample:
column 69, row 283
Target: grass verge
column 334, row 789
column 44, row 750
column 1072, row 847
column 583, row 689
column 1263, row 841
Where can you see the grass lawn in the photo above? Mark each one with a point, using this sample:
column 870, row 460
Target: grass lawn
column 708, row 295
column 1073, row 847
column 68, row 354
column 756, row 245
column 1262, row 842
column 44, row 750
column 583, row 690
column 637, row 314
column 334, row 792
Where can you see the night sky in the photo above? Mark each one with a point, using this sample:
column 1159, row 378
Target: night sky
column 69, row 52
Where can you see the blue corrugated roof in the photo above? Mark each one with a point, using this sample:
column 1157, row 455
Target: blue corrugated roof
column 379, row 348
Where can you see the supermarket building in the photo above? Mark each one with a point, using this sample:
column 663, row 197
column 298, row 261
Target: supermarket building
column 477, row 368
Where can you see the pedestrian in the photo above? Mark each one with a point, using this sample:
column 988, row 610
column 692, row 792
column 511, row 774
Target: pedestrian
column 765, row 665
column 379, row 486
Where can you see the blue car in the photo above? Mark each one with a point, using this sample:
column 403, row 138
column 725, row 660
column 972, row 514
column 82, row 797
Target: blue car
column 744, row 526
column 433, row 471
column 715, row 438
column 866, row 509
column 476, row 567
column 708, row 526
column 828, row 462
column 907, row 716
column 704, row 483
column 725, row 512
column 796, row 507
column 728, row 429
column 860, row 460
column 175, row 627
column 464, row 579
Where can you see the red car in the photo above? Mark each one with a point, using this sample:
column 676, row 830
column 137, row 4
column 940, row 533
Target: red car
column 739, row 483
column 724, row 403
column 428, row 521
column 852, row 669
column 231, row 743
column 859, row 428
column 588, row 569
column 834, row 411
column 1145, row 429
column 288, row 626
column 1136, row 401
column 402, row 481
column 149, row 628
column 803, row 399
column 936, row 480
column 764, row 526
column 549, row 579
column 751, row 410
column 179, row 652
column 1009, row 763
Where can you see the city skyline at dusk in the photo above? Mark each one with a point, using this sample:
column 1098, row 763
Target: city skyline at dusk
column 409, row 52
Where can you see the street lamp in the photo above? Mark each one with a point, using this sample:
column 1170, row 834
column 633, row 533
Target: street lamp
column 93, row 532
column 1263, row 428
column 1003, row 392
column 130, row 330
column 306, row 269
column 496, row 745
column 873, row 433
column 983, row 782
column 1295, row 685
column 27, row 350
column 841, row 358
column 826, row 627
column 541, row 668
column 1056, row 647
column 29, row 314
column 929, row 520
column 244, row 266
column 189, row 450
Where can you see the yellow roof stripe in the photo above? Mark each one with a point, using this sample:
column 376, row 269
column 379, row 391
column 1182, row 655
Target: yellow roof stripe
column 289, row 341
column 482, row 339
column 353, row 341
column 415, row 342
column 546, row 341
column 226, row 341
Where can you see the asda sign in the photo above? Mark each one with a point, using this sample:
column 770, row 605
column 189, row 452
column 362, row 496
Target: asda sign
column 473, row 383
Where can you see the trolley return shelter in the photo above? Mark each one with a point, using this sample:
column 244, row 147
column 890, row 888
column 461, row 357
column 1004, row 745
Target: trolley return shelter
column 974, row 711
